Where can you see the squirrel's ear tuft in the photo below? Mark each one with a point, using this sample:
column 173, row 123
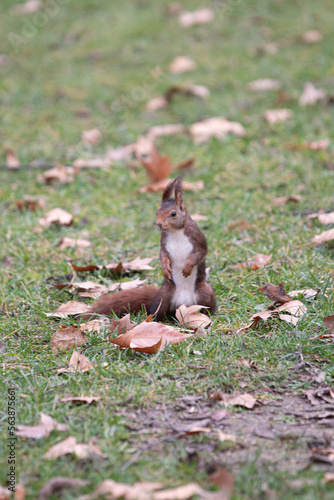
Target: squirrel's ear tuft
column 179, row 198
column 167, row 194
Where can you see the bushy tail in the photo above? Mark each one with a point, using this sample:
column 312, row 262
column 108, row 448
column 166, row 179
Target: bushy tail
column 123, row 302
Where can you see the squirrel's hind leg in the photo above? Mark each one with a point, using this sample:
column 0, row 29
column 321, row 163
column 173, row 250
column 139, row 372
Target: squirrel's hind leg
column 163, row 298
column 206, row 297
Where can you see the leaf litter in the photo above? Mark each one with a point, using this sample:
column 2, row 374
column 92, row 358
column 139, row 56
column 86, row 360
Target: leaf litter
column 47, row 425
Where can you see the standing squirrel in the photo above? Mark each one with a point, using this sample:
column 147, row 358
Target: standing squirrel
column 182, row 255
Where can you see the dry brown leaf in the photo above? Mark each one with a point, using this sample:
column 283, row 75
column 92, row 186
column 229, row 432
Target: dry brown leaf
column 123, row 325
column 58, row 484
column 295, row 308
column 157, row 167
column 199, row 16
column 329, row 477
column 70, row 445
column 66, row 338
column 276, row 293
column 112, row 489
column 99, row 162
column 12, row 161
column 81, row 399
column 324, row 237
column 319, row 145
column 246, row 400
column 264, row 84
column 326, row 218
column 282, row 200
column 260, row 260
column 162, row 131
column 311, row 95
column 79, row 244
column 20, row 492
column 112, row 267
column 129, row 285
column 199, row 217
column 71, row 308
column 56, row 216
column 59, row 173
column 95, row 325
column 29, row 7
column 30, row 203
column 222, row 436
column 239, row 225
column 200, row 91
column 191, row 318
column 120, row 154
column 149, row 337
column 138, row 264
column 225, row 482
column 311, row 36
column 160, row 186
column 181, row 64
column 78, row 362
column 155, row 103
column 277, row 115
column 329, row 323
column 215, row 127
column 197, row 429
column 92, row 136
column 48, row 424
column 306, row 293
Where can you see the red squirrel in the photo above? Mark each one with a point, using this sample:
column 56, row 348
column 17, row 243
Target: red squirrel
column 182, row 255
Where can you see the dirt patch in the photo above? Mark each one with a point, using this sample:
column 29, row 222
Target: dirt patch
column 287, row 433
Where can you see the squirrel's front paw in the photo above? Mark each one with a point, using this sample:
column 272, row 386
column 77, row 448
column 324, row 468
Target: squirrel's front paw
column 167, row 270
column 187, row 270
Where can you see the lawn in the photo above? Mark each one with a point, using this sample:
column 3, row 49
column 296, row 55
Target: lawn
column 73, row 67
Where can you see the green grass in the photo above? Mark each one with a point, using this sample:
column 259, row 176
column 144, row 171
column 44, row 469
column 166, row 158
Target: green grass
column 99, row 58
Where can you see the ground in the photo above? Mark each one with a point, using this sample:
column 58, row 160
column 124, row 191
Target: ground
column 73, row 67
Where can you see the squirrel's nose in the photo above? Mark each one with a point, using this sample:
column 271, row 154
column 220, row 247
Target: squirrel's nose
column 159, row 225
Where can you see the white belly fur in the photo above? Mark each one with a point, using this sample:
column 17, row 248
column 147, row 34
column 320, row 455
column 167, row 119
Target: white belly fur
column 179, row 247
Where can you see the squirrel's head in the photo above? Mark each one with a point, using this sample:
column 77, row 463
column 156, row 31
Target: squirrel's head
column 172, row 213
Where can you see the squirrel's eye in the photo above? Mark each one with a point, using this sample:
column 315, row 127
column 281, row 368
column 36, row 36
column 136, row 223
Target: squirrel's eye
column 173, row 214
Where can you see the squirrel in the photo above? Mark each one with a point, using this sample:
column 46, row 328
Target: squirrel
column 182, row 255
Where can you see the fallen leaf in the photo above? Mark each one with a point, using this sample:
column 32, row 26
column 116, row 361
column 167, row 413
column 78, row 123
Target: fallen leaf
column 246, row 400
column 324, row 237
column 264, row 84
column 277, row 115
column 276, row 293
column 225, row 482
column 311, row 36
column 283, row 200
column 215, row 127
column 197, row 429
column 30, row 203
column 73, row 243
column 162, row 131
column 123, row 325
column 311, row 95
column 181, row 64
column 138, row 264
column 199, row 217
column 81, row 399
column 29, row 7
column 179, row 493
column 200, row 91
column 112, row 267
column 191, row 318
column 329, row 477
column 58, row 484
column 155, row 103
column 149, row 337
column 222, row 436
column 157, row 167
column 78, row 362
column 295, row 308
column 160, row 186
column 219, row 415
column 326, row 218
column 112, row 489
column 12, row 161
column 48, row 424
column 239, row 225
column 71, row 308
column 199, row 16
column 329, row 323
column 260, row 260
column 20, row 492
column 59, row 173
column 306, row 293
column 4, row 493
column 56, row 216
column 321, row 144
column 120, row 154
column 99, row 162
column 66, row 338
column 92, row 136
column 70, row 445
column 320, row 396
column 129, row 285
column 95, row 325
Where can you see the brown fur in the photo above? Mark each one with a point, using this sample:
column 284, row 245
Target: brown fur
column 172, row 216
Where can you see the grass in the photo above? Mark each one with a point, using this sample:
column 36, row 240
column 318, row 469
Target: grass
column 91, row 66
